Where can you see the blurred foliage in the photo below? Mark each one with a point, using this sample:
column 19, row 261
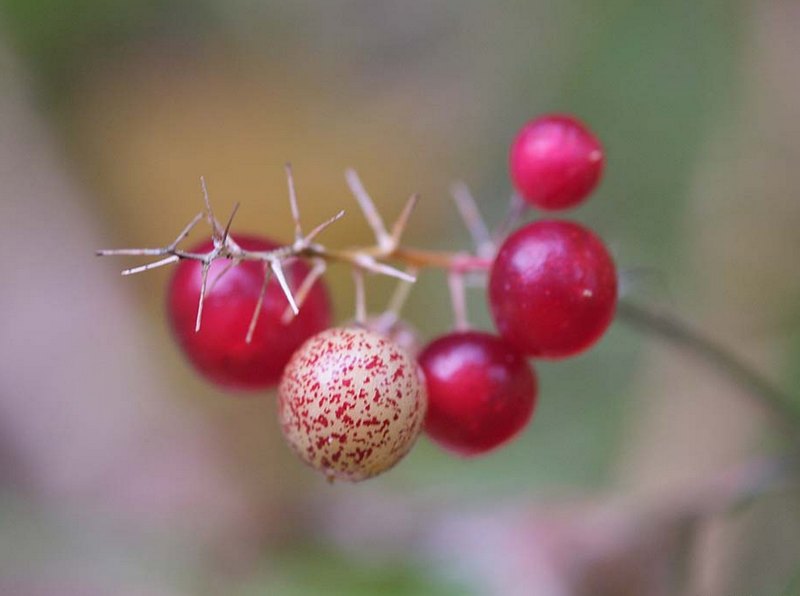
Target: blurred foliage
column 413, row 94
column 654, row 81
column 336, row 575
column 769, row 540
column 59, row 40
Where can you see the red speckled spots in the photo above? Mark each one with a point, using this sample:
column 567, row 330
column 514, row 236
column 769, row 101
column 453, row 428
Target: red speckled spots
column 347, row 404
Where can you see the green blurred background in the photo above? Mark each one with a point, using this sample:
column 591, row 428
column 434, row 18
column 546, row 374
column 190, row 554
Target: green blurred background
column 126, row 474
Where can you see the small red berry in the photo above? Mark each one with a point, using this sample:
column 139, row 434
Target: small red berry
column 552, row 289
column 481, row 392
column 219, row 351
column 555, row 162
column 351, row 403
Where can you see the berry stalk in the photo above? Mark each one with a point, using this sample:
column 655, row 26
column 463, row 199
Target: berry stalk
column 388, row 248
column 672, row 329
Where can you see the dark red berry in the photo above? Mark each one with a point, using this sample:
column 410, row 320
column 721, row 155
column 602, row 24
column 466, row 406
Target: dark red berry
column 481, row 392
column 555, row 162
column 219, row 351
column 552, row 289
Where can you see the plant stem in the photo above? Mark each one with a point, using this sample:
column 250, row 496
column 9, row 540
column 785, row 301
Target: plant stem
column 670, row 328
column 459, row 262
column 388, row 247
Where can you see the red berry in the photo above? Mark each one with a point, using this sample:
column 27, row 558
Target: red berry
column 481, row 392
column 555, row 162
column 552, row 289
column 219, row 351
column 351, row 403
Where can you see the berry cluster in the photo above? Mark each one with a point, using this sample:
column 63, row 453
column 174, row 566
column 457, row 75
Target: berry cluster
column 252, row 314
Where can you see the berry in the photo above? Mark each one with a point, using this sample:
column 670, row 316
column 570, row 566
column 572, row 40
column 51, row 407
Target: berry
column 219, row 350
column 555, row 162
column 481, row 392
column 351, row 403
column 552, row 289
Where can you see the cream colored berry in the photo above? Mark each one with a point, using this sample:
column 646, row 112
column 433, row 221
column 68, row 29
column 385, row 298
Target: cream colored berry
column 351, row 403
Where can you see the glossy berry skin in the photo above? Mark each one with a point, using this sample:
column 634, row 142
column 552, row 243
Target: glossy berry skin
column 219, row 351
column 351, row 403
column 481, row 392
column 552, row 289
column 555, row 162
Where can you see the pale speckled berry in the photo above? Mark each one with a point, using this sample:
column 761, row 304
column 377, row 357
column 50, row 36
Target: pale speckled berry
column 351, row 403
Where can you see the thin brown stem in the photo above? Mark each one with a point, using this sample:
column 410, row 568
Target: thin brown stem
column 317, row 270
column 670, row 328
column 400, row 295
column 154, row 265
column 216, row 229
column 399, row 227
column 233, row 263
column 382, row 238
column 322, row 227
column 186, row 230
column 361, row 296
column 458, row 298
column 450, row 261
column 293, row 205
column 476, row 226
column 203, row 284
column 367, row 262
column 227, row 232
column 277, row 269
column 251, row 329
column 516, row 209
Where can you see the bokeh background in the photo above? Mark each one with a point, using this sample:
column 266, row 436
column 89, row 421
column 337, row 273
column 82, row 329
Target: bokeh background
column 124, row 473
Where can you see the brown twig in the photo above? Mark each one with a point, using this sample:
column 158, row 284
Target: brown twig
column 361, row 296
column 670, row 328
column 455, row 282
column 251, row 329
column 476, row 226
column 388, row 250
column 377, row 258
